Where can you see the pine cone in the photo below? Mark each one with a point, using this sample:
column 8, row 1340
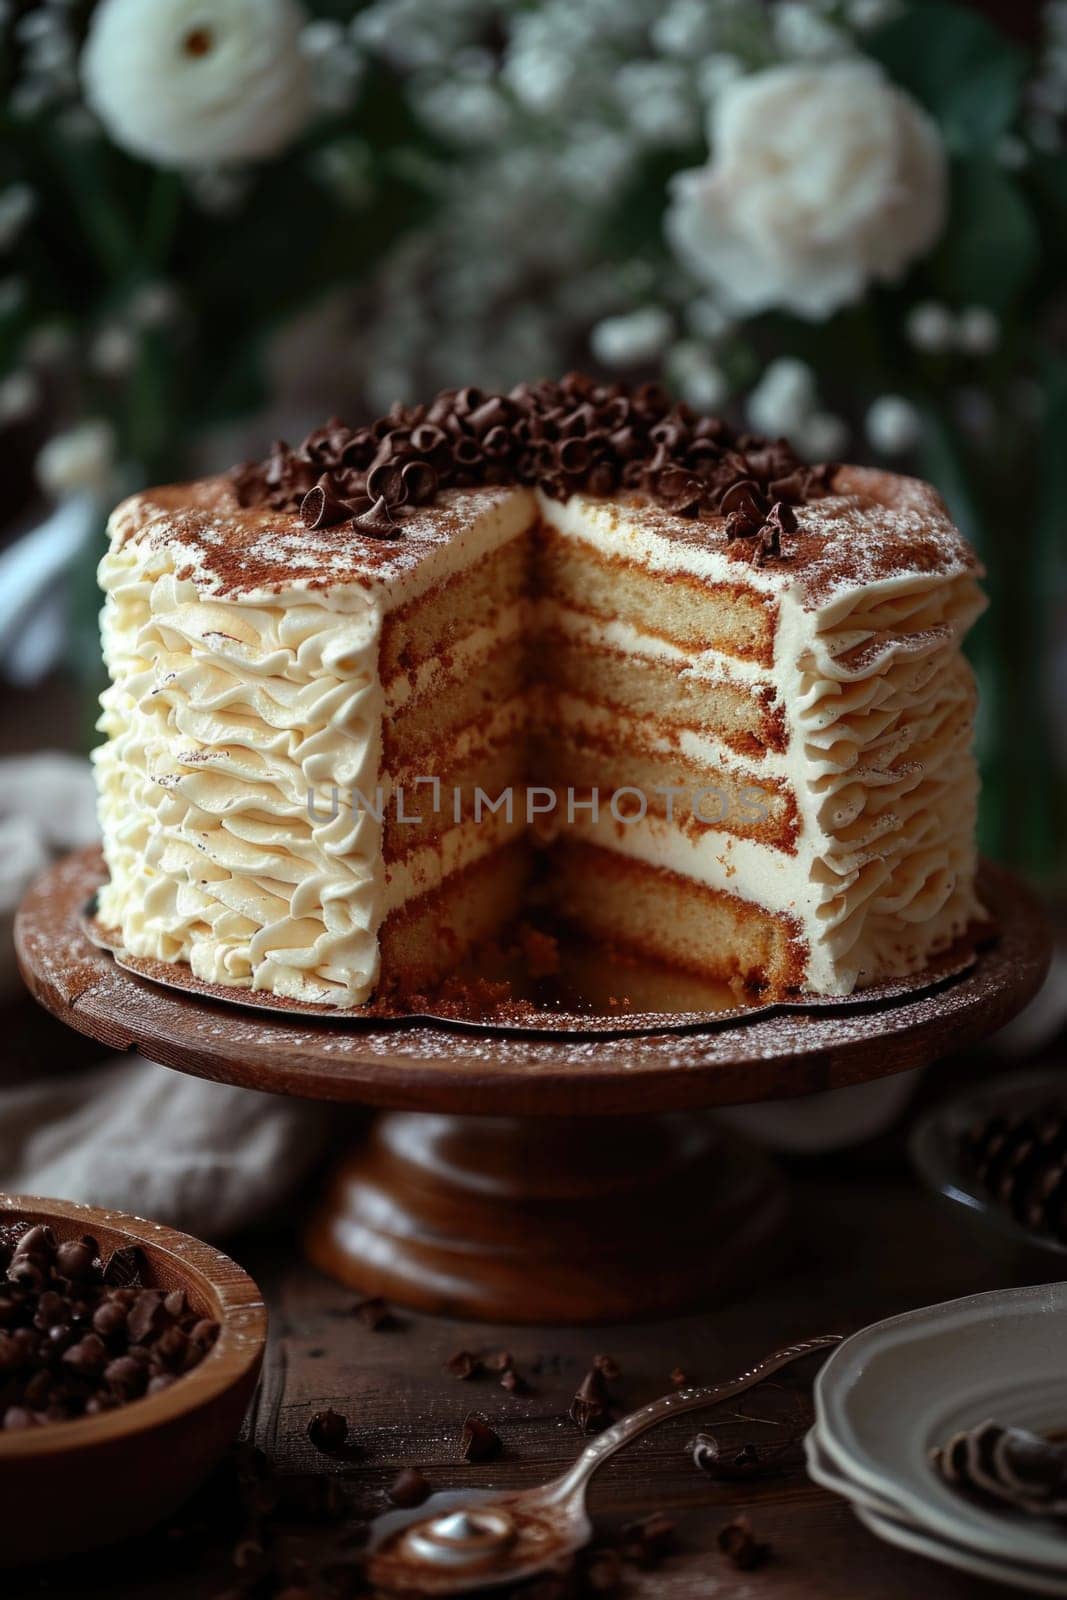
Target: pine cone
column 1021, row 1160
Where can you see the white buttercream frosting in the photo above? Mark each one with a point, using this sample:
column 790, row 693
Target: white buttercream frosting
column 225, row 713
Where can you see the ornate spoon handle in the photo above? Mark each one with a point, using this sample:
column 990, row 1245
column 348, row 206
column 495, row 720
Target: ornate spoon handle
column 622, row 1432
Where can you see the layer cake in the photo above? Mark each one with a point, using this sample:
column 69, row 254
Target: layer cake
column 706, row 702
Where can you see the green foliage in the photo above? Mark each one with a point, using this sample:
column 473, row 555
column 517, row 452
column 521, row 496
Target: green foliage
column 958, row 65
column 991, row 246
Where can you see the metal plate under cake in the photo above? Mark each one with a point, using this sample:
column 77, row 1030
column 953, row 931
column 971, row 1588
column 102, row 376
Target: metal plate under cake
column 596, row 991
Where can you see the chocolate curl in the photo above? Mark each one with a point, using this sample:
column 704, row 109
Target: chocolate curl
column 744, row 502
column 497, row 443
column 780, row 519
column 326, row 443
column 430, row 443
column 419, row 480
column 321, row 507
column 573, row 456
column 496, row 412
column 468, row 400
column 603, row 478
column 466, row 453
column 378, row 521
column 385, row 481
column 577, row 434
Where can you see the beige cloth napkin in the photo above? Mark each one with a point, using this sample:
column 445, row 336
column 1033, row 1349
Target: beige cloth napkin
column 204, row 1157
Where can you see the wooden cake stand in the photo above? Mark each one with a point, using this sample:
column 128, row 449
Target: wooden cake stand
column 528, row 1179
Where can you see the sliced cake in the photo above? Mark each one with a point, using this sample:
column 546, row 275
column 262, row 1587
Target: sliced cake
column 709, row 701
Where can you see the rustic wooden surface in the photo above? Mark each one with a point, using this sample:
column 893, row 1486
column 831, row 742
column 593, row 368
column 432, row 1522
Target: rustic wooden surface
column 864, row 1242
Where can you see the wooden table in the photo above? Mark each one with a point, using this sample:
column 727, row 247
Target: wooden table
column 864, row 1242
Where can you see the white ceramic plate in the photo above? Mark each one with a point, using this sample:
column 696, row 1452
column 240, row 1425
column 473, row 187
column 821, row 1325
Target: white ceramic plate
column 907, row 1537
column 821, row 1470
column 889, row 1395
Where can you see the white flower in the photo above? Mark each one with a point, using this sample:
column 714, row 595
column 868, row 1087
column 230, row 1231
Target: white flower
column 707, row 319
column 78, row 462
column 864, row 14
column 20, row 394
column 218, row 193
column 931, row 327
column 893, row 425
column 823, row 178
column 799, row 30
column 685, row 30
column 194, row 83
column 978, row 331
column 12, row 295
column 48, row 345
column 784, row 398
column 715, row 73
column 17, row 205
column 822, row 437
column 698, row 380
column 336, row 68
column 632, row 340
column 113, row 352
column 154, row 305
column 655, row 99
column 1011, row 152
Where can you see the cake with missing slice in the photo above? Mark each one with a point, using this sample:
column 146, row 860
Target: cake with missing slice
column 710, row 702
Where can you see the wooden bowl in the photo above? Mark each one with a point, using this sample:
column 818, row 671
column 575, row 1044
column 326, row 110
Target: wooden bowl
column 70, row 1486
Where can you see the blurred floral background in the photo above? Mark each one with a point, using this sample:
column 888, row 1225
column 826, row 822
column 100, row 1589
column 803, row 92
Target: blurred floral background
column 845, row 220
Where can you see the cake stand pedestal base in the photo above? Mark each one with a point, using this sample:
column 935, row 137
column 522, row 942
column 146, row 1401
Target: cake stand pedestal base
column 548, row 1220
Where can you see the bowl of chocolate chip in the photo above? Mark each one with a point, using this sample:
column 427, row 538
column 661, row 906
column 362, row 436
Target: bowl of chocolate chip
column 128, row 1355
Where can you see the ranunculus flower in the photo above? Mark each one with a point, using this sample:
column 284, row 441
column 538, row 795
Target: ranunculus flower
column 198, row 83
column 822, row 178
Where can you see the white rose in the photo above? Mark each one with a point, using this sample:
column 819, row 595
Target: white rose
column 78, row 462
column 197, row 83
column 822, row 178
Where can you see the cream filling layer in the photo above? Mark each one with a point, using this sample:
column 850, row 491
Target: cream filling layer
column 459, row 847
column 463, row 659
column 705, row 665
column 879, row 704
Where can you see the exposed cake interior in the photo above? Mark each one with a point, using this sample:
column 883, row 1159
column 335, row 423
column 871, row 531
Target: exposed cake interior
column 333, row 762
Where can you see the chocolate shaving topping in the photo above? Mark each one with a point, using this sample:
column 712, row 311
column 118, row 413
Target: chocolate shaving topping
column 464, row 1364
column 409, row 1488
column 646, row 1541
column 375, row 1314
column 739, row 1544
column 328, row 1431
column 590, row 1410
column 562, row 437
column 480, row 1442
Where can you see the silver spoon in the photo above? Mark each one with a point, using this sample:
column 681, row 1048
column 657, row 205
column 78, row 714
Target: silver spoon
column 467, row 1539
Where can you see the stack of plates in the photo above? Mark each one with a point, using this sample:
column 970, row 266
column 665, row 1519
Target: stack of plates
column 896, row 1391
